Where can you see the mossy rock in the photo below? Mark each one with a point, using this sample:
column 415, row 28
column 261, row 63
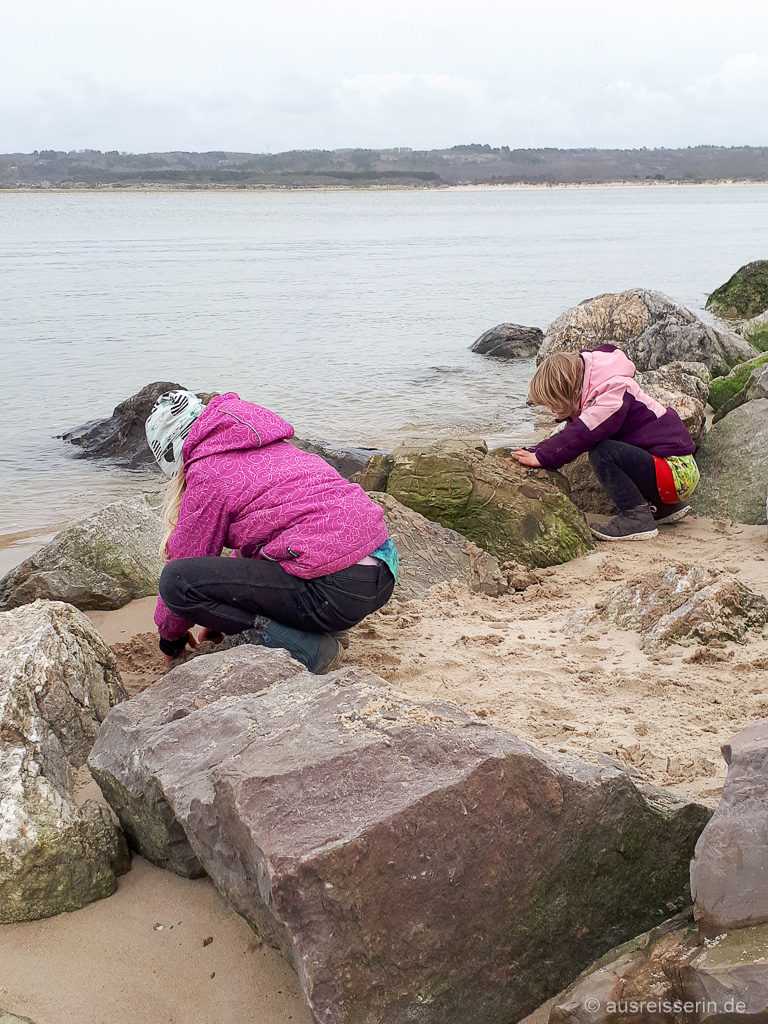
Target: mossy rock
column 758, row 338
column 723, row 389
column 101, row 562
column 508, row 510
column 744, row 295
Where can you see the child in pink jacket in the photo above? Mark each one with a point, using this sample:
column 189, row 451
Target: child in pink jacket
column 640, row 450
column 314, row 554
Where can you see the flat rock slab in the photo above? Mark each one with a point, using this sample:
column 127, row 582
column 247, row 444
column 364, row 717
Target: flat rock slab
column 679, row 603
column 733, row 459
column 414, row 863
column 58, row 680
column 102, row 562
column 669, row 975
column 729, row 872
column 431, row 553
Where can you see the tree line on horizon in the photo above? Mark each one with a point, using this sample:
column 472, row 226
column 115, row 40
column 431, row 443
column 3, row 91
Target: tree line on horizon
column 464, row 164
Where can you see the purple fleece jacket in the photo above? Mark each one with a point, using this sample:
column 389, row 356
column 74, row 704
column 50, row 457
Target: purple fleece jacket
column 249, row 489
column 614, row 406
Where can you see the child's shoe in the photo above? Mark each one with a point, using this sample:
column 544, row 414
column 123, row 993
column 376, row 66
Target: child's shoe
column 631, row 524
column 664, row 514
column 319, row 652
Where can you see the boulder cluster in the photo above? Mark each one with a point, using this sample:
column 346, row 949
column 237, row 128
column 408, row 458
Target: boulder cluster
column 413, row 862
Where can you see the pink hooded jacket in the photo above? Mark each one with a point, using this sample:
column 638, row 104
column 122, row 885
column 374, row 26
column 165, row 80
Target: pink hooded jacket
column 615, row 407
column 250, row 490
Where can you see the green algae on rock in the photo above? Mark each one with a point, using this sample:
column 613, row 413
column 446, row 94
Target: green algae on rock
column 744, row 295
column 723, row 390
column 508, row 510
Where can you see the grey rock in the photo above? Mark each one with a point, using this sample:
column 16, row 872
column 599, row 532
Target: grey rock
column 121, row 436
column 509, row 341
column 345, row 459
column 722, row 982
column 58, row 680
column 680, row 603
column 733, row 459
column 690, row 407
column 729, row 871
column 374, row 839
column 430, row 554
column 103, row 561
column 650, row 327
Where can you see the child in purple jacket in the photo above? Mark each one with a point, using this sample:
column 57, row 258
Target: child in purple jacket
column 641, row 452
column 314, row 555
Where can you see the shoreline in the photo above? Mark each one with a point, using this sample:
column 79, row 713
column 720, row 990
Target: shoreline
column 159, row 187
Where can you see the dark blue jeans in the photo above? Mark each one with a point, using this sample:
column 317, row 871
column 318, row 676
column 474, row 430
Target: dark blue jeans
column 227, row 594
column 627, row 473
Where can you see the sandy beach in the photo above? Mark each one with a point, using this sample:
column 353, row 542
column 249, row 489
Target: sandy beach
column 508, row 660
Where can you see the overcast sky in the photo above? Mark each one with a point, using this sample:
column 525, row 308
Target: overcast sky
column 255, row 76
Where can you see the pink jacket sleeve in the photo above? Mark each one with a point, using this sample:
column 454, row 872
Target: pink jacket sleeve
column 201, row 530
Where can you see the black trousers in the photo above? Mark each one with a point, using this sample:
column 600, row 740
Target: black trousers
column 627, row 473
column 227, row 594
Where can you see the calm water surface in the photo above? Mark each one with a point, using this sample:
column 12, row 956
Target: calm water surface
column 349, row 313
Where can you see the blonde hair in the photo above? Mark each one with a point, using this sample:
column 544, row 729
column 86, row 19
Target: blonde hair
column 170, row 509
column 173, row 495
column 557, row 384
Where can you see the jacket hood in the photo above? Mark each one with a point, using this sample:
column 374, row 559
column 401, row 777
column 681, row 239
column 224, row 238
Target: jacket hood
column 229, row 424
column 601, row 365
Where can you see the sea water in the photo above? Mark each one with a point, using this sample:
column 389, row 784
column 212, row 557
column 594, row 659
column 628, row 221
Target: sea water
column 348, row 313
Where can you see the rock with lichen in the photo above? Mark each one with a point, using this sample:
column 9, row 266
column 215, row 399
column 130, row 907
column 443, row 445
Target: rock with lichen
column 58, row 681
column 103, row 561
column 680, row 603
column 650, row 327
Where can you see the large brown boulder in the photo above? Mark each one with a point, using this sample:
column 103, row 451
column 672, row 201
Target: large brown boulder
column 650, row 327
column 414, row 863
column 57, row 682
column 680, row 603
column 103, row 561
column 512, row 512
column 729, row 872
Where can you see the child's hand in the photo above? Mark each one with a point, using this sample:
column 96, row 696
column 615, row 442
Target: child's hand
column 170, row 658
column 525, row 458
column 213, row 635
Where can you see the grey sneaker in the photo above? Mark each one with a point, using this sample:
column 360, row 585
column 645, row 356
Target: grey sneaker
column 664, row 514
column 632, row 524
